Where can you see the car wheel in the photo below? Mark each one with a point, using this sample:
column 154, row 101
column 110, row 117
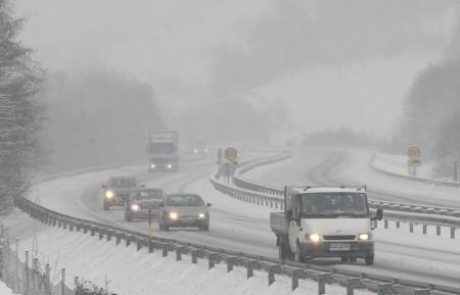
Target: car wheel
column 352, row 259
column 105, row 206
column 369, row 259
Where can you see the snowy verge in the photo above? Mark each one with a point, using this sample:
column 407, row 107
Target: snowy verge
column 4, row 290
column 396, row 165
column 128, row 271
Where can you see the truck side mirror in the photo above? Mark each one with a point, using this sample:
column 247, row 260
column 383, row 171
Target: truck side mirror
column 379, row 214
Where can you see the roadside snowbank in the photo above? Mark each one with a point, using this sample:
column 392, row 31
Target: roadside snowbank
column 397, row 164
column 4, row 290
column 128, row 271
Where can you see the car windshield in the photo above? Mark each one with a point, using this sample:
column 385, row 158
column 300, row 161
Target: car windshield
column 148, row 194
column 184, row 200
column 123, row 182
column 335, row 205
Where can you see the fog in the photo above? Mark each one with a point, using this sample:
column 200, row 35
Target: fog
column 294, row 67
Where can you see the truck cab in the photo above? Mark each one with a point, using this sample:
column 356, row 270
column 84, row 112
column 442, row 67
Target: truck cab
column 326, row 222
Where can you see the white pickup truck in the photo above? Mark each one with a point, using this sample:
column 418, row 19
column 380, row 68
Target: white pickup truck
column 325, row 222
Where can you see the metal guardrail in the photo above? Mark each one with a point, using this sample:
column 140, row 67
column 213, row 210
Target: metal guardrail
column 274, row 190
column 271, row 196
column 323, row 275
column 431, row 181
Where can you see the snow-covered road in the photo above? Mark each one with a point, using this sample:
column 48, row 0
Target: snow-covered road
column 244, row 227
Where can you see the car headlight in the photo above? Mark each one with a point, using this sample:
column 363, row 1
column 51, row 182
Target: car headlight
column 169, row 166
column 315, row 238
column 173, row 215
column 152, row 166
column 201, row 215
column 135, row 207
column 109, row 194
column 364, row 237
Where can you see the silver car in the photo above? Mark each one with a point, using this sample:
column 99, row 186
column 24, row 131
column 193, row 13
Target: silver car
column 184, row 210
column 143, row 202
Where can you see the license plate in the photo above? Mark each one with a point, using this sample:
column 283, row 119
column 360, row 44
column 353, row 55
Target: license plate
column 339, row 247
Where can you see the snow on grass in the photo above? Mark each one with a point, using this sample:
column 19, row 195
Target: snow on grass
column 397, row 164
column 128, row 271
column 4, row 290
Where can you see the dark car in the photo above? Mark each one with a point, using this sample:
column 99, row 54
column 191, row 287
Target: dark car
column 117, row 191
column 184, row 210
column 142, row 202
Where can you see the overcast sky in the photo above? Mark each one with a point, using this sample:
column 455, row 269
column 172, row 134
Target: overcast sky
column 355, row 52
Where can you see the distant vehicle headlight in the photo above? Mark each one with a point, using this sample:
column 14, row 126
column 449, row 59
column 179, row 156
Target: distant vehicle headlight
column 135, row 207
column 364, row 237
column 206, row 150
column 109, row 194
column 169, row 166
column 195, row 151
column 153, row 166
column 173, row 215
column 201, row 215
column 315, row 238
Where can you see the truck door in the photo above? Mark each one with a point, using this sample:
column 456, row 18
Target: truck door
column 294, row 223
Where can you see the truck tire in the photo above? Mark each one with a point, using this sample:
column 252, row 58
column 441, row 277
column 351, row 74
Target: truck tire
column 369, row 259
column 298, row 254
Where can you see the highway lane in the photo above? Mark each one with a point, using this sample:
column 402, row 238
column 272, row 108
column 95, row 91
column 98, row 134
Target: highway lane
column 244, row 227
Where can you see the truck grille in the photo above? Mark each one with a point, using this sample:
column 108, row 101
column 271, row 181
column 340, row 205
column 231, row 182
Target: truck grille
column 339, row 237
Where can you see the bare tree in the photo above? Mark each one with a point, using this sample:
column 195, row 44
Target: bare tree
column 20, row 110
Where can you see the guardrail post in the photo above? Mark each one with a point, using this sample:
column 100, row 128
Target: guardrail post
column 150, row 246
column 230, row 263
column 109, row 236
column 384, row 289
column 452, row 232
column 85, row 229
column 128, row 241
column 271, row 273
column 164, row 250
column 93, row 232
column 118, row 241
column 139, row 245
column 26, row 272
column 385, row 223
column 250, row 269
column 322, row 283
column 294, row 281
column 101, row 234
column 411, row 227
column 424, row 229
column 64, row 225
column 352, row 284
column 438, row 230
column 398, row 224
column 194, row 256
column 179, row 254
column 211, row 262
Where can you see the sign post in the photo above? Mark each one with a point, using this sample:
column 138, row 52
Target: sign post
column 414, row 153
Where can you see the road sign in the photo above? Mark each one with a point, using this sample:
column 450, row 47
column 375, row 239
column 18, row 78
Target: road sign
column 231, row 154
column 414, row 152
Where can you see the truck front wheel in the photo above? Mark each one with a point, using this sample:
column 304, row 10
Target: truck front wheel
column 369, row 259
column 298, row 254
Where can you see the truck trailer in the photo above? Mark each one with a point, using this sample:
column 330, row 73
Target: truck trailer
column 163, row 150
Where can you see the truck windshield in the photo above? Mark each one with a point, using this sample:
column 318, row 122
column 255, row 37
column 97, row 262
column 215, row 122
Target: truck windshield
column 328, row 205
column 162, row 148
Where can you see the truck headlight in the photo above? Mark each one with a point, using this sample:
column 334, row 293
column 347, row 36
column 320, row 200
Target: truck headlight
column 364, row 237
column 201, row 215
column 109, row 194
column 173, row 215
column 315, row 238
column 169, row 166
column 135, row 207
